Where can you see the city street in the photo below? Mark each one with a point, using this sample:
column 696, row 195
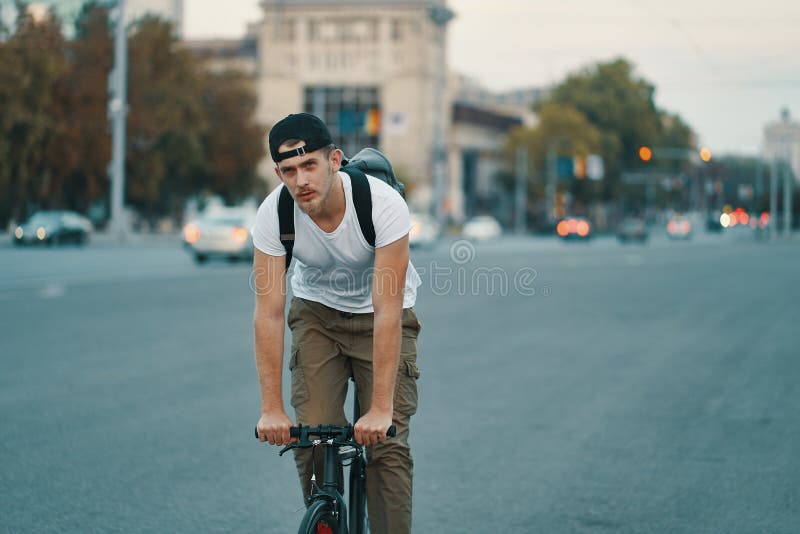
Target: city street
column 566, row 387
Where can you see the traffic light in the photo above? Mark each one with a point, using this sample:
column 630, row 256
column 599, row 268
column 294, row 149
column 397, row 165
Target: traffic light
column 645, row 154
column 579, row 167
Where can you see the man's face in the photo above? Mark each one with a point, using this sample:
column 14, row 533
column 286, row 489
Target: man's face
column 309, row 177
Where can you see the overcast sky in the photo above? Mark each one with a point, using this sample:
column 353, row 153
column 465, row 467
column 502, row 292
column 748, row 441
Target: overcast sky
column 727, row 67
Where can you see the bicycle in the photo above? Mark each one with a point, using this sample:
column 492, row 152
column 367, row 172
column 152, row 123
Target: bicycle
column 326, row 511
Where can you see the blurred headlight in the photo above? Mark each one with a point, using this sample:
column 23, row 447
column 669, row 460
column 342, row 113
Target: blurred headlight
column 583, row 228
column 191, row 233
column 562, row 229
column 725, row 220
column 572, row 226
column 41, row 233
column 415, row 229
column 239, row 234
column 18, row 232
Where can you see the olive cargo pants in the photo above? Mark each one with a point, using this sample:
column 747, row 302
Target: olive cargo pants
column 327, row 346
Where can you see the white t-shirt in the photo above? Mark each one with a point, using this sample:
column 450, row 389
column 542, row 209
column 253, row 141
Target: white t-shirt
column 336, row 268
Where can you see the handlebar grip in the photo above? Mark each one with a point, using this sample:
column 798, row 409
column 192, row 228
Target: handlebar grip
column 294, row 432
column 392, row 431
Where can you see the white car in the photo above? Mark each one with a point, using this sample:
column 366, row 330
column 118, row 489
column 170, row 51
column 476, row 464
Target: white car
column 425, row 230
column 482, row 227
column 223, row 233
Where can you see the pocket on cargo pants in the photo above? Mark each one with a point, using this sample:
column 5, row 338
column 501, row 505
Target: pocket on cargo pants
column 299, row 385
column 406, row 394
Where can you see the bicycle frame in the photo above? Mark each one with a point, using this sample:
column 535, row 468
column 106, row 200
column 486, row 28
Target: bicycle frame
column 352, row 519
column 356, row 492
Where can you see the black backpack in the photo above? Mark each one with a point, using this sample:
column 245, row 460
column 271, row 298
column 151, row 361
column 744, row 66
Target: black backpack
column 368, row 160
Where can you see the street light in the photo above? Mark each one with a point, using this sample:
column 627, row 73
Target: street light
column 117, row 108
column 705, row 154
column 440, row 16
column 645, row 154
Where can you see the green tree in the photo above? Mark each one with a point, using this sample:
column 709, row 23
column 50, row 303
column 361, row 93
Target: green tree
column 562, row 131
column 81, row 148
column 166, row 121
column 188, row 131
column 233, row 143
column 621, row 106
column 32, row 61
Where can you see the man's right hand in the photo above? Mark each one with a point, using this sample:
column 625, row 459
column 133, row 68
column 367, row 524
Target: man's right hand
column 274, row 427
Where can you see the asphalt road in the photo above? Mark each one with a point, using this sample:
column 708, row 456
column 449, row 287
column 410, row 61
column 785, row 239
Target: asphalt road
column 565, row 388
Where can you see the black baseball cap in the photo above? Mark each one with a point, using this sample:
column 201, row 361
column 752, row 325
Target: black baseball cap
column 303, row 126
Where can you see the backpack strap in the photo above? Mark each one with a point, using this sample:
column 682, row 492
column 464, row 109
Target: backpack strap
column 362, row 200
column 286, row 222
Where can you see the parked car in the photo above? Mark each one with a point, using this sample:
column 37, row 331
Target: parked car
column 679, row 227
column 632, row 229
column 224, row 233
column 482, row 227
column 54, row 227
column 425, row 230
column 574, row 228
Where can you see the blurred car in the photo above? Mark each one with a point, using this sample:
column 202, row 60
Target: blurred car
column 224, row 233
column 714, row 223
column 54, row 227
column 632, row 229
column 425, row 230
column 482, row 227
column 574, row 228
column 679, row 227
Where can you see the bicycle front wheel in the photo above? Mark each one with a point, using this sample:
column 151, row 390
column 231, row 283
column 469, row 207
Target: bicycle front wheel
column 319, row 519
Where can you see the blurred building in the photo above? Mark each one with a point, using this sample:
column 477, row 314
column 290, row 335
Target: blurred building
column 782, row 142
column 476, row 154
column 221, row 55
column 370, row 68
column 519, row 102
column 367, row 67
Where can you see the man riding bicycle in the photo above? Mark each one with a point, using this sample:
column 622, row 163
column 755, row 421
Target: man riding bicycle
column 351, row 314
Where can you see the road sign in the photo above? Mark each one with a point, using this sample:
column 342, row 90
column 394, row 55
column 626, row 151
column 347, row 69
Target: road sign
column 594, row 167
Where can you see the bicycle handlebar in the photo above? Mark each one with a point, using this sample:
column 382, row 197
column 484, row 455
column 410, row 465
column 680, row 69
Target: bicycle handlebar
column 328, row 431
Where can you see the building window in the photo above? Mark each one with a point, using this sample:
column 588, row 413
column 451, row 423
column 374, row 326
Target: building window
column 397, row 29
column 352, row 114
column 313, row 30
column 284, row 30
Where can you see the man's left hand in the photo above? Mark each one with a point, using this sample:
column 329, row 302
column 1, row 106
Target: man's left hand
column 372, row 427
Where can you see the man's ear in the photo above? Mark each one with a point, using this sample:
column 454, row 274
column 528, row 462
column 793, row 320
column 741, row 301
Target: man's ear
column 278, row 173
column 336, row 159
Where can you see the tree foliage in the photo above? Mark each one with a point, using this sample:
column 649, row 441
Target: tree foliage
column 608, row 109
column 189, row 131
column 562, row 130
column 32, row 62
